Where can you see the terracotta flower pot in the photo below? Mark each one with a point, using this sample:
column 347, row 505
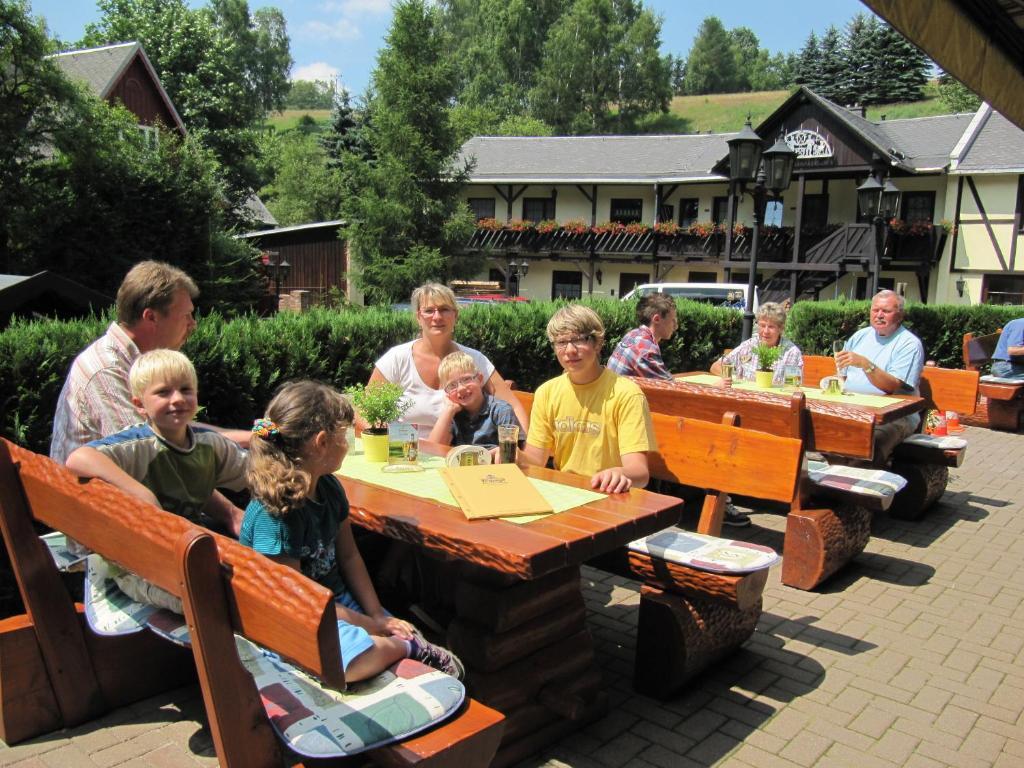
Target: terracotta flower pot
column 375, row 445
column 763, row 379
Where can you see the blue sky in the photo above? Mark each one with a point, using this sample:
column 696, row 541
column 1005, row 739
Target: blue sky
column 340, row 38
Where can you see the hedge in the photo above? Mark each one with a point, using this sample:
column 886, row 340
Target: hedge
column 241, row 361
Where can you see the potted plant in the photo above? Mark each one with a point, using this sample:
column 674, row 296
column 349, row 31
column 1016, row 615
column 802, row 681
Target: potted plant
column 767, row 357
column 378, row 404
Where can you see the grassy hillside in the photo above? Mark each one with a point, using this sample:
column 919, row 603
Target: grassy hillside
column 713, row 113
column 289, row 118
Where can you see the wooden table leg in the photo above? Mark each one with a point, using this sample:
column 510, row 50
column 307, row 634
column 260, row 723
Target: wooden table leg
column 528, row 654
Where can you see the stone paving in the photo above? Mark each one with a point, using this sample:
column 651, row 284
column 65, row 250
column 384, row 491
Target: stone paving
column 912, row 656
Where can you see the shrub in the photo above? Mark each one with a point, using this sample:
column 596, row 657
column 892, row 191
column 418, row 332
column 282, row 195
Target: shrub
column 241, row 361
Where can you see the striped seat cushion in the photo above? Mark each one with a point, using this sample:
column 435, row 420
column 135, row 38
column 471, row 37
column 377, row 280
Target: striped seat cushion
column 936, row 441
column 860, row 480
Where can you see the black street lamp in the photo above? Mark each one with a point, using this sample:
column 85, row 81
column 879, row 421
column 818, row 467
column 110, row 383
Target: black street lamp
column 278, row 267
column 771, row 171
column 515, row 271
column 879, row 202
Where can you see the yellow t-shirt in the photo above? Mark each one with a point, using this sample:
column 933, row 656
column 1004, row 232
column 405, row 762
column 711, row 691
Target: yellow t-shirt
column 588, row 427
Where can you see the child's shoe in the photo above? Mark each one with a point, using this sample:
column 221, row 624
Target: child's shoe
column 437, row 657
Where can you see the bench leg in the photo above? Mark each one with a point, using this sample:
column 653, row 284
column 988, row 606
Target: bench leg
column 27, row 705
column 925, row 485
column 677, row 637
column 1005, row 414
column 821, row 541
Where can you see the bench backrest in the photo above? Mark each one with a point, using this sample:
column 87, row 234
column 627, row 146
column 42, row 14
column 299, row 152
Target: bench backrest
column 722, row 458
column 945, row 389
column 693, row 401
column 269, row 603
column 727, row 458
column 978, row 350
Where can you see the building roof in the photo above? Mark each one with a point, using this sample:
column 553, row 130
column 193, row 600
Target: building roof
column 332, row 224
column 994, row 145
column 101, row 68
column 915, row 145
column 926, row 142
column 49, row 292
column 258, row 211
column 595, row 159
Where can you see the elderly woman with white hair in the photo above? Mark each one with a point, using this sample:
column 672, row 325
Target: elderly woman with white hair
column 771, row 321
column 413, row 365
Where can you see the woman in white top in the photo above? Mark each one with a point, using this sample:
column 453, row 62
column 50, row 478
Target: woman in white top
column 413, row 365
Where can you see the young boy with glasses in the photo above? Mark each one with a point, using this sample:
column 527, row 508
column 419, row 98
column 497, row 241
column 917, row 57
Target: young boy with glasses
column 471, row 416
column 593, row 421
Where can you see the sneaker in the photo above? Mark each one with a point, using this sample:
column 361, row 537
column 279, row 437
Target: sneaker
column 734, row 517
column 439, row 658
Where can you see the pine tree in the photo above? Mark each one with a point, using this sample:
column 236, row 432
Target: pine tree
column 806, row 70
column 404, row 219
column 906, row 67
column 831, row 67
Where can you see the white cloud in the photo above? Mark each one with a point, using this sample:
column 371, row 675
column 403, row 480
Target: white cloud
column 369, row 7
column 342, row 29
column 318, row 70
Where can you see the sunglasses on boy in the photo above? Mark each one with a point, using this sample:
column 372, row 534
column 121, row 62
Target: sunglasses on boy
column 462, row 381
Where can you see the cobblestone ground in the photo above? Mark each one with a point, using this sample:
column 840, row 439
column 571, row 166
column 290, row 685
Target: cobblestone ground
column 912, row 656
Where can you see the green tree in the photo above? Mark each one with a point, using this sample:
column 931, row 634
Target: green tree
column 598, row 54
column 304, row 187
column 746, row 51
column 311, row 94
column 906, row 67
column 806, row 70
column 832, row 68
column 956, row 96
column 677, row 67
column 222, row 68
column 711, row 65
column 404, row 220
column 32, row 94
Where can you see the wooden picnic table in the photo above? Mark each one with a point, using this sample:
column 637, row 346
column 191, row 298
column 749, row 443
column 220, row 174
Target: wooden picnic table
column 514, row 594
column 832, row 426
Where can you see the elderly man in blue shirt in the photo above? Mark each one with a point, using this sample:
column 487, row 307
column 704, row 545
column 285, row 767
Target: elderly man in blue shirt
column 1008, row 359
column 885, row 359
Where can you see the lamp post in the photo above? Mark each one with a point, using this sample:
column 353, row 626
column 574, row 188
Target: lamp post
column 515, row 271
column 771, row 171
column 878, row 201
column 272, row 262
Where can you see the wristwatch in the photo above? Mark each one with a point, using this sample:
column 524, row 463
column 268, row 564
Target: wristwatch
column 871, row 367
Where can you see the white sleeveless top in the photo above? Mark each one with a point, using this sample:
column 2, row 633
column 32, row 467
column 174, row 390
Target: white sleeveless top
column 398, row 367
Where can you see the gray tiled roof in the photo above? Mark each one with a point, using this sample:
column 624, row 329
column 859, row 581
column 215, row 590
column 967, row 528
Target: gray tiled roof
column 998, row 146
column 591, row 159
column 927, row 142
column 98, row 67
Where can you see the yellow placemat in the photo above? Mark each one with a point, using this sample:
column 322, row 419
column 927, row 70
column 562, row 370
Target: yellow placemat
column 812, row 393
column 430, row 485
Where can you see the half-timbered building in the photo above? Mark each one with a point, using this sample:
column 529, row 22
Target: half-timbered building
column 596, row 215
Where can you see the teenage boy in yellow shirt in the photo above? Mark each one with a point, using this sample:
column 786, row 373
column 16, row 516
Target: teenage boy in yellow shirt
column 593, row 421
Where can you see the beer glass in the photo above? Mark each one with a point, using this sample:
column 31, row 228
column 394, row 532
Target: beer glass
column 508, row 442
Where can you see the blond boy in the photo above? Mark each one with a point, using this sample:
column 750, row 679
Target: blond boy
column 593, row 422
column 165, row 460
column 471, row 416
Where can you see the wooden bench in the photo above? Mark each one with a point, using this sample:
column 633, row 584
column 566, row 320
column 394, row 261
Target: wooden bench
column 55, row 673
column 828, row 527
column 1004, row 400
column 924, row 464
column 689, row 618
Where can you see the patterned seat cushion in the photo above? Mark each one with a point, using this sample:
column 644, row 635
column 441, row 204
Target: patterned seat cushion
column 315, row 721
column 859, row 480
column 110, row 612
column 936, row 441
column 706, row 553
column 990, row 379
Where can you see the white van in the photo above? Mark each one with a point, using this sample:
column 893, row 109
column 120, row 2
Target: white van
column 710, row 293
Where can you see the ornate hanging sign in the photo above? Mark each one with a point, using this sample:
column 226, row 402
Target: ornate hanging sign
column 808, row 144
